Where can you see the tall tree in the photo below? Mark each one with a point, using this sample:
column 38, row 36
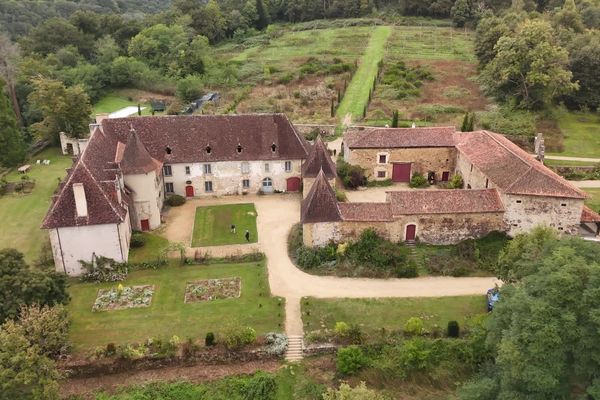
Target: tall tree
column 9, row 56
column 529, row 66
column 584, row 62
column 262, row 15
column 12, row 148
column 64, row 109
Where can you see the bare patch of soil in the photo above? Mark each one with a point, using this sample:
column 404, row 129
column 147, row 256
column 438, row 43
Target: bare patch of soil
column 86, row 387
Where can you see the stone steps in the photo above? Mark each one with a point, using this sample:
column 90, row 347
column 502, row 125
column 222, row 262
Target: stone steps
column 295, row 348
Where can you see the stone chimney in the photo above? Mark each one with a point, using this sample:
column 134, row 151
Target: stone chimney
column 539, row 147
column 80, row 200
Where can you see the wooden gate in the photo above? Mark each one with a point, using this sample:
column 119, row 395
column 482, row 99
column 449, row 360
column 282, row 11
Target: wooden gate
column 145, row 224
column 401, row 172
column 189, row 191
column 293, row 184
column 411, row 231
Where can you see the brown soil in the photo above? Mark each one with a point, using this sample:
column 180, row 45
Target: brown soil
column 85, row 387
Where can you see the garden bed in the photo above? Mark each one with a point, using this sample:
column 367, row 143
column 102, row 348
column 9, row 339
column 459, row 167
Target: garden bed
column 213, row 289
column 123, row 297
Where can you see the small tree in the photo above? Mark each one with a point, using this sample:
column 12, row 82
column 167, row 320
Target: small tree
column 209, row 340
column 139, row 110
column 46, row 327
column 332, row 108
column 453, row 329
column 414, row 326
column 395, row 119
column 468, row 122
column 350, row 360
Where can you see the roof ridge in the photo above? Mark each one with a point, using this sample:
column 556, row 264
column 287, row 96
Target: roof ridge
column 102, row 190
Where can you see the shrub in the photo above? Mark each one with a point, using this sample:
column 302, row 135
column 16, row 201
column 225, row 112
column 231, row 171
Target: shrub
column 457, row 182
column 312, row 257
column 238, row 337
column 340, row 196
column 189, row 88
column 418, row 181
column 277, row 343
column 46, row 327
column 350, row 360
column 111, row 349
column 355, row 334
column 341, row 329
column 352, row 176
column 137, row 240
column 103, row 269
column 413, row 326
column 453, row 329
column 261, row 386
column 209, row 339
column 175, row 200
column 508, row 121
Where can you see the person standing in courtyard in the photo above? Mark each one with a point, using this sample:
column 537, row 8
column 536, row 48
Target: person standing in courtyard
column 232, row 228
column 247, row 234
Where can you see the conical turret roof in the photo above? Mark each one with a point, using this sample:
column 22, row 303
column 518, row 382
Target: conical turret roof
column 319, row 160
column 320, row 205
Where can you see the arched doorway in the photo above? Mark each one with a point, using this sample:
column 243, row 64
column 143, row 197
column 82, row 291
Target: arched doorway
column 411, row 232
column 293, row 184
column 267, row 185
column 189, row 191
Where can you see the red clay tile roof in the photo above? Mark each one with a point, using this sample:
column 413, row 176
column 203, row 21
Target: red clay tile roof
column 450, row 201
column 96, row 170
column 135, row 158
column 319, row 159
column 589, row 215
column 511, row 168
column 320, row 205
column 388, row 138
column 366, row 212
column 187, row 137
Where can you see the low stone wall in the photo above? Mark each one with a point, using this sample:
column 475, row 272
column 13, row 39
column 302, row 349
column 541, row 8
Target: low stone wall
column 83, row 368
column 306, row 129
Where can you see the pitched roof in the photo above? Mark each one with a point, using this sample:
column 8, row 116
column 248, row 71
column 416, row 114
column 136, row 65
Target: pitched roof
column 135, row 158
column 387, row 138
column 589, row 215
column 511, row 168
column 320, row 205
column 319, row 159
column 363, row 212
column 187, row 137
column 444, row 201
column 96, row 170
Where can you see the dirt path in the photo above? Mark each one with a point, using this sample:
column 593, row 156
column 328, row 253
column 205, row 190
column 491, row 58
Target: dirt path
column 565, row 158
column 196, row 374
column 586, row 184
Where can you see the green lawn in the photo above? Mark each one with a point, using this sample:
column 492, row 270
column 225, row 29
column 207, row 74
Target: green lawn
column 357, row 94
column 594, row 201
column 22, row 214
column 391, row 314
column 212, row 225
column 581, row 133
column 567, row 163
column 151, row 251
column 169, row 315
column 113, row 102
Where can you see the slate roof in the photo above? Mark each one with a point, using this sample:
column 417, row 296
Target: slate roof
column 320, row 204
column 444, row 201
column 319, row 159
column 366, row 212
column 589, row 215
column 511, row 168
column 135, row 158
column 388, row 138
column 187, row 137
column 96, row 170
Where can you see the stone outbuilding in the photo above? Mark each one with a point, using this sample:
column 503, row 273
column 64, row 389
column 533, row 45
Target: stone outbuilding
column 318, row 160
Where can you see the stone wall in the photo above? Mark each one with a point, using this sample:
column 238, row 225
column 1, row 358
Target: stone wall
column 524, row 213
column 424, row 160
column 319, row 234
column 147, row 198
column 473, row 178
column 227, row 176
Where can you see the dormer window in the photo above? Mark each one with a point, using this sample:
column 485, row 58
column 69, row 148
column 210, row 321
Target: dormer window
column 273, row 147
column 168, row 150
column 239, row 148
column 208, row 149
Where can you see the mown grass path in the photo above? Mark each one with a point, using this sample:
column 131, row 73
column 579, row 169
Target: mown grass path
column 357, row 94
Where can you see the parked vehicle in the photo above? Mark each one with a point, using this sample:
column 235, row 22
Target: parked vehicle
column 493, row 295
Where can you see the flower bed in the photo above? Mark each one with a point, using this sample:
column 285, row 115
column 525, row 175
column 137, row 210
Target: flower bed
column 212, row 289
column 122, row 297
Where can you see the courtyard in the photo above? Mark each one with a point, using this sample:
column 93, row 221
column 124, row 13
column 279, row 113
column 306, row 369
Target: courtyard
column 213, row 225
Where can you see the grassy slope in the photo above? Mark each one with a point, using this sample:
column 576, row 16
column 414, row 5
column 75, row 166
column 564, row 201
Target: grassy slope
column 212, row 225
column 169, row 315
column 594, row 201
column 357, row 94
column 391, row 314
column 580, row 130
column 22, row 215
column 431, row 43
column 114, row 101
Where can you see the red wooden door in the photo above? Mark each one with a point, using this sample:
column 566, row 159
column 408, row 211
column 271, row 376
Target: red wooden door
column 145, row 224
column 445, row 176
column 189, row 191
column 411, row 231
column 401, row 172
column 293, row 184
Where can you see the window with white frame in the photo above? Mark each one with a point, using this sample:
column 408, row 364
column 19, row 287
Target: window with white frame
column 288, row 166
column 169, row 187
column 267, row 167
column 381, row 174
column 246, row 183
column 208, row 186
column 382, row 158
column 207, row 169
column 167, row 171
column 187, row 170
column 245, row 167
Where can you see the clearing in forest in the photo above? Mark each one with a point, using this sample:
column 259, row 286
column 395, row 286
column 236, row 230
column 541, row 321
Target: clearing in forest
column 357, row 94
